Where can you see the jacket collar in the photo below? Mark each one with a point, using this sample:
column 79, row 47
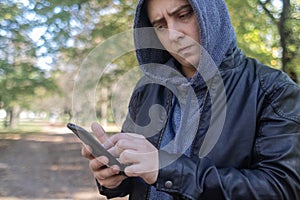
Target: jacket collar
column 232, row 60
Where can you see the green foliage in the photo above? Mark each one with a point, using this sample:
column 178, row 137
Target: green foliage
column 65, row 32
column 256, row 34
column 269, row 31
column 21, row 83
column 21, row 80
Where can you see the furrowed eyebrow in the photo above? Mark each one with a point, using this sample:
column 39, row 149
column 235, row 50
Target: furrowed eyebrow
column 179, row 9
column 172, row 13
column 157, row 21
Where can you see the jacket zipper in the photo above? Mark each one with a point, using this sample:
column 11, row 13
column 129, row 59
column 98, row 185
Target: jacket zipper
column 170, row 96
column 200, row 117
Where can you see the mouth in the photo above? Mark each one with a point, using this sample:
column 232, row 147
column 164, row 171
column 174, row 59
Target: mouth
column 183, row 49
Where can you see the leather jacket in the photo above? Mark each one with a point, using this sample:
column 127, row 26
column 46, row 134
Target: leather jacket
column 258, row 153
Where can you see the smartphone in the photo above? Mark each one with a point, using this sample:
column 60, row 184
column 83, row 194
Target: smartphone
column 97, row 149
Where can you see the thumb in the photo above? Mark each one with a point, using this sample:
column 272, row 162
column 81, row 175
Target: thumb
column 99, row 132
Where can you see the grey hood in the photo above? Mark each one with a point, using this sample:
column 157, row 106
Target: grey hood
column 216, row 33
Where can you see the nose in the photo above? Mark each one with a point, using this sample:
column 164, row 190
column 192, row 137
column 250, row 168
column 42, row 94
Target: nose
column 174, row 33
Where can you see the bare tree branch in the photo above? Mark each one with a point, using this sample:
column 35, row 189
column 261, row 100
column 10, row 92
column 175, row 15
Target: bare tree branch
column 269, row 13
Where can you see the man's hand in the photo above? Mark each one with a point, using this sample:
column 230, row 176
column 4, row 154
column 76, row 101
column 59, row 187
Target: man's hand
column 137, row 152
column 106, row 176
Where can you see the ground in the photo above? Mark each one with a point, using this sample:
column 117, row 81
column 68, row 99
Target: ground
column 44, row 166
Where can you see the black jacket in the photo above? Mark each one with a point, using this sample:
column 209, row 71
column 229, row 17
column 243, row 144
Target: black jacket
column 258, row 153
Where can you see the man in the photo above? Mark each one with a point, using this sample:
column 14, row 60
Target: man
column 256, row 154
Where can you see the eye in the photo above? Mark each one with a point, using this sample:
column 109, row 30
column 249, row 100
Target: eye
column 186, row 14
column 160, row 28
column 183, row 16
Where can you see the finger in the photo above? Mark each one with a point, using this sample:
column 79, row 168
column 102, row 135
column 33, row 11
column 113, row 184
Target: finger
column 121, row 136
column 129, row 157
column 126, row 144
column 113, row 151
column 104, row 173
column 118, row 143
column 112, row 182
column 125, row 141
column 132, row 170
column 86, row 151
column 112, row 140
column 98, row 163
column 132, row 156
column 134, row 144
column 149, row 175
column 139, row 169
column 99, row 132
column 134, row 135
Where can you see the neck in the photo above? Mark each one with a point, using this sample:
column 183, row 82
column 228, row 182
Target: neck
column 188, row 72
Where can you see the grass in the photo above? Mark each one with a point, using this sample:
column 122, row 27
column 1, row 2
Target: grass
column 23, row 127
column 38, row 127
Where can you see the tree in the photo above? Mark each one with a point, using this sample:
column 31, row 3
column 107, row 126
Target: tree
column 97, row 21
column 288, row 25
column 63, row 31
column 269, row 30
column 21, row 80
column 20, row 84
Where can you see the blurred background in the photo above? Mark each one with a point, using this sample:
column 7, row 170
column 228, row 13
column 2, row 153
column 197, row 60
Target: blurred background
column 42, row 46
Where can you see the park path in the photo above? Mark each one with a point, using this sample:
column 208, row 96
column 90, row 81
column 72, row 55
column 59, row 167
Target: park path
column 44, row 166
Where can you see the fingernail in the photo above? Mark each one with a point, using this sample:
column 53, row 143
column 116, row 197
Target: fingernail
column 105, row 145
column 103, row 160
column 115, row 169
column 90, row 150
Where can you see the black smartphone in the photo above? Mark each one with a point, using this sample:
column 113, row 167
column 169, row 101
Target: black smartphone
column 97, row 149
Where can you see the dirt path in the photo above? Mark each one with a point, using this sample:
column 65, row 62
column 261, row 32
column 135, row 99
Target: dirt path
column 44, row 166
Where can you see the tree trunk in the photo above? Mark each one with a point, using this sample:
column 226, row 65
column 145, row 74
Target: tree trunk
column 286, row 35
column 14, row 113
column 104, row 105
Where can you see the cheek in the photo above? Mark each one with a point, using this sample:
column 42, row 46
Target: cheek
column 194, row 30
column 196, row 36
column 164, row 41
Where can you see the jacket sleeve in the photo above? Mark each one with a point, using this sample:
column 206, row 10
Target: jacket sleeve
column 274, row 175
column 120, row 191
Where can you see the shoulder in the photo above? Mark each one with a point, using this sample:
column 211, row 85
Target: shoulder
column 274, row 87
column 272, row 79
column 146, row 94
column 280, row 91
column 146, row 90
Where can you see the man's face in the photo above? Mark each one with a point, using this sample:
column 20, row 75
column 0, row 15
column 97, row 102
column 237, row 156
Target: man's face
column 177, row 29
